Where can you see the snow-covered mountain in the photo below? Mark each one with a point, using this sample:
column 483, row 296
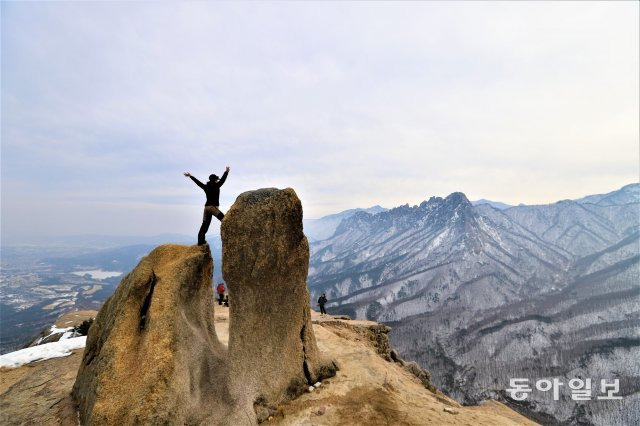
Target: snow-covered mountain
column 496, row 204
column 324, row 227
column 625, row 195
column 479, row 295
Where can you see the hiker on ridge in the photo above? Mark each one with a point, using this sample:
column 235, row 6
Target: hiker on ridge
column 321, row 302
column 220, row 290
column 212, row 189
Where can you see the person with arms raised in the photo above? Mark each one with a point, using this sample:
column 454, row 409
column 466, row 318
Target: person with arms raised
column 211, row 207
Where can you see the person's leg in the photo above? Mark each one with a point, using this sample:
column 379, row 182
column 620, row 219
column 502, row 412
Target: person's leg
column 217, row 213
column 206, row 221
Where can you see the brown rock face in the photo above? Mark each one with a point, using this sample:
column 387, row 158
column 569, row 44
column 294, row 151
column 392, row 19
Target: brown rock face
column 152, row 354
column 265, row 259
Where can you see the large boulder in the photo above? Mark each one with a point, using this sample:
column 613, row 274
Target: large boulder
column 265, row 259
column 152, row 354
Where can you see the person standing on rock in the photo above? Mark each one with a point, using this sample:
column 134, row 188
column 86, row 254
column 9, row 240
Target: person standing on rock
column 321, row 302
column 212, row 189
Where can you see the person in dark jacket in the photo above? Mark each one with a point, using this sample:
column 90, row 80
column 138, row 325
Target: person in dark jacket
column 211, row 207
column 321, row 302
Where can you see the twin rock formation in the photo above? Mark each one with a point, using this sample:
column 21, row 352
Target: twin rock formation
column 152, row 354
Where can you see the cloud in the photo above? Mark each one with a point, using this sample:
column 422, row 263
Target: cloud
column 351, row 104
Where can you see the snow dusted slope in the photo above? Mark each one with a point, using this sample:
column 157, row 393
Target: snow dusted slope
column 628, row 194
column 496, row 204
column 325, row 227
column 587, row 329
column 410, row 260
column 478, row 295
column 41, row 352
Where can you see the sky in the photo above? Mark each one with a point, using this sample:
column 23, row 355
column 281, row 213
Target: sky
column 105, row 105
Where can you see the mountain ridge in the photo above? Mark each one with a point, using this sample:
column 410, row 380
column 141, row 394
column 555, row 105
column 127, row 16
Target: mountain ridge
column 520, row 274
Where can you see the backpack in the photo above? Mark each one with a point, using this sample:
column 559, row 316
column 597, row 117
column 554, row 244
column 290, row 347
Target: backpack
column 220, row 288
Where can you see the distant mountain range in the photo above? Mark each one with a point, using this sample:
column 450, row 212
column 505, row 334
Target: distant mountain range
column 319, row 229
column 479, row 294
column 496, row 204
column 325, row 227
column 626, row 195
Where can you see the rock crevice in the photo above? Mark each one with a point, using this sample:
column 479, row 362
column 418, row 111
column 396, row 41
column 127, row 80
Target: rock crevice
column 147, row 302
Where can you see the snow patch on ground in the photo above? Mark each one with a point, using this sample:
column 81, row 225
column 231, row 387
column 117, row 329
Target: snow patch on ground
column 67, row 333
column 41, row 352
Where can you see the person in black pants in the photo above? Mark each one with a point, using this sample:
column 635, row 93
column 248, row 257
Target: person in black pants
column 211, row 207
column 321, row 302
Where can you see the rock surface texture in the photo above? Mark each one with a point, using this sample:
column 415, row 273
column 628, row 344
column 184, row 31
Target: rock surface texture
column 152, row 354
column 265, row 258
column 368, row 389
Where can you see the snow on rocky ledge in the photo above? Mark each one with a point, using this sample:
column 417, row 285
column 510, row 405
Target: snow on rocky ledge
column 58, row 349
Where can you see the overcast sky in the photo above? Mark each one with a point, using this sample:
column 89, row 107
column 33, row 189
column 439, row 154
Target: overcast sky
column 105, row 105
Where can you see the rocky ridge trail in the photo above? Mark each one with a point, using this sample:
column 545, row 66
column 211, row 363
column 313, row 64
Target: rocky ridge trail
column 368, row 389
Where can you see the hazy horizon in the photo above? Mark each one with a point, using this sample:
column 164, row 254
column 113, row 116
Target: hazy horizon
column 215, row 228
column 105, row 105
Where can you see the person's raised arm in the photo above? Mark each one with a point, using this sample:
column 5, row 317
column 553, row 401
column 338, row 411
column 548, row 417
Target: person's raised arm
column 200, row 184
column 224, row 176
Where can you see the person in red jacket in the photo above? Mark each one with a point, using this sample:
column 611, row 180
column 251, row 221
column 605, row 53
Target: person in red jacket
column 220, row 290
column 211, row 207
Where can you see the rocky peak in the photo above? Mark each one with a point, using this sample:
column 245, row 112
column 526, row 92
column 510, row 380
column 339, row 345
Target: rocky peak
column 152, row 352
column 265, row 258
column 153, row 356
column 457, row 198
column 455, row 207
